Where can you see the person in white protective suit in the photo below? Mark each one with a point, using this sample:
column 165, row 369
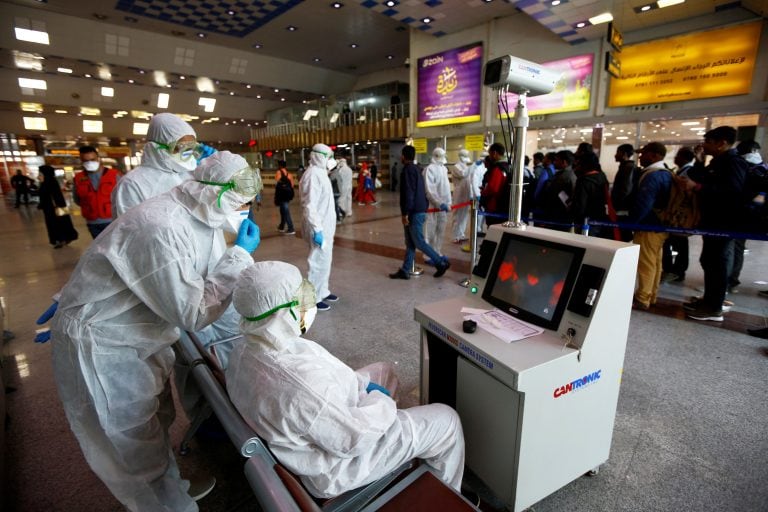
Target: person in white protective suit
column 335, row 428
column 145, row 277
column 169, row 158
column 474, row 184
column 344, row 173
column 438, row 189
column 319, row 222
column 461, row 185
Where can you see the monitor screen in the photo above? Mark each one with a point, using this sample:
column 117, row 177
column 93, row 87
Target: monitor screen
column 532, row 279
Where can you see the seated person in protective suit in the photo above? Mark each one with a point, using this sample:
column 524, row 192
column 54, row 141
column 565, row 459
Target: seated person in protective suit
column 335, row 428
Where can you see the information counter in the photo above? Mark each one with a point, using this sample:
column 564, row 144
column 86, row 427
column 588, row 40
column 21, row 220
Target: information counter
column 539, row 412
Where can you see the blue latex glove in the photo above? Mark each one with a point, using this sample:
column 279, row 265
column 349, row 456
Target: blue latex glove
column 48, row 313
column 372, row 386
column 317, row 237
column 42, row 337
column 444, row 207
column 203, row 151
column 248, row 237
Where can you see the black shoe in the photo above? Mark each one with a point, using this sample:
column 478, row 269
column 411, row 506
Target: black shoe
column 704, row 312
column 400, row 274
column 441, row 268
column 759, row 333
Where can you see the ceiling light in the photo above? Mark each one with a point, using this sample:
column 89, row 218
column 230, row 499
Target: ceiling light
column 258, row 96
column 182, row 77
column 87, row 75
column 601, row 18
column 426, row 20
column 291, row 28
column 31, row 107
column 140, row 128
column 277, row 90
column 163, row 99
column 109, row 92
column 390, row 57
column 61, row 111
column 309, row 114
column 201, row 35
column 231, row 93
column 644, row 8
column 690, row 123
column 130, row 80
column 90, row 111
column 666, row 3
column 555, row 3
column 337, row 5
column 231, row 12
column 90, row 126
column 282, row 99
column 204, row 84
column 35, row 123
column 353, row 45
column 161, row 80
column 24, row 60
column 258, row 46
column 208, row 104
column 32, row 36
column 141, row 71
column 31, row 83
column 316, row 59
column 391, row 3
column 581, row 24
column 64, row 70
column 334, row 117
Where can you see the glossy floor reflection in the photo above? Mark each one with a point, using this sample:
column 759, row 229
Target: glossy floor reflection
column 690, row 433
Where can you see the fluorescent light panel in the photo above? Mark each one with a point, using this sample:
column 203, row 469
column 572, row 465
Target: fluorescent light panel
column 140, row 128
column 90, row 126
column 666, row 3
column 35, row 123
column 64, row 70
column 32, row 36
column 108, row 92
column 162, row 100
column 31, row 83
column 601, row 18
column 208, row 104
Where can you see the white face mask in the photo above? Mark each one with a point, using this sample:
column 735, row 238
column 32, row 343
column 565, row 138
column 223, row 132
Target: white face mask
column 91, row 165
column 330, row 163
column 753, row 158
column 309, row 318
column 234, row 220
column 187, row 162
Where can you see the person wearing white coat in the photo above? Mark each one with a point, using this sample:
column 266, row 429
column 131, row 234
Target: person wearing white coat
column 474, row 184
column 319, row 222
column 335, row 428
column 461, row 185
column 344, row 173
column 145, row 277
column 438, row 189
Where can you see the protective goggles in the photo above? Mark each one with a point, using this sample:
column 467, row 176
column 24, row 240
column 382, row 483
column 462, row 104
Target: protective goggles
column 246, row 182
column 186, row 149
column 303, row 300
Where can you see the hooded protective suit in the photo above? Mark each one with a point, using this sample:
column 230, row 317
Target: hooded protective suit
column 461, row 191
column 159, row 171
column 147, row 275
column 314, row 411
column 319, row 216
column 438, row 189
column 344, row 173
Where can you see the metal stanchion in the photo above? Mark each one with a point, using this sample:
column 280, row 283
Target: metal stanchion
column 472, row 242
column 415, row 271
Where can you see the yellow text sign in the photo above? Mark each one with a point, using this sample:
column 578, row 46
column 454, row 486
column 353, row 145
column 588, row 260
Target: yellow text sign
column 474, row 142
column 693, row 66
column 420, row 145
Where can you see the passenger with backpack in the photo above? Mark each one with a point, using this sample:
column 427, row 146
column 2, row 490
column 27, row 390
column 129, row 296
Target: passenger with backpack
column 494, row 196
column 284, row 193
column 651, row 198
column 555, row 198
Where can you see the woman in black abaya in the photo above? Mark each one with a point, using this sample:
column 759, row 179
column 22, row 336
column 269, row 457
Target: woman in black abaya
column 60, row 228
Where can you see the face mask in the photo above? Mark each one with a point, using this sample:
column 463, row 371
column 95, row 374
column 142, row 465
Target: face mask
column 308, row 319
column 753, row 158
column 91, row 165
column 187, row 162
column 234, row 220
column 330, row 164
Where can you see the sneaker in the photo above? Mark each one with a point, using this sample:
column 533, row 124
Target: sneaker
column 692, row 304
column 291, row 232
column 373, row 203
column 442, row 267
column 331, row 298
column 280, row 229
column 200, row 487
column 706, row 313
column 322, row 306
column 636, row 304
column 400, row 274
column 727, row 306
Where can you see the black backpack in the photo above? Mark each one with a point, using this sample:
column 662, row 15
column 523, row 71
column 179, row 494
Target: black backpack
column 756, row 211
column 283, row 189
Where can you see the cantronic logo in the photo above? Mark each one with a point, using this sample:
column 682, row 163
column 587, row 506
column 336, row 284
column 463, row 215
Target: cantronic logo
column 530, row 69
column 577, row 384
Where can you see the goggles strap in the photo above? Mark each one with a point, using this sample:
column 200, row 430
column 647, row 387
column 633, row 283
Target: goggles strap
column 224, row 187
column 273, row 311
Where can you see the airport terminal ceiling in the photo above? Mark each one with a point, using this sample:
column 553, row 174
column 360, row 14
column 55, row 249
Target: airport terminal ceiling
column 252, row 58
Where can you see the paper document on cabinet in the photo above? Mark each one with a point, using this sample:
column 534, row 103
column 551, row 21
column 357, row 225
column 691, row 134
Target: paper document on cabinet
column 504, row 326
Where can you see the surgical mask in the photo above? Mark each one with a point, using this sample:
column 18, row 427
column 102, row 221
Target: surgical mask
column 186, row 160
column 331, row 164
column 753, row 158
column 91, row 165
column 245, row 182
column 234, row 220
column 304, row 302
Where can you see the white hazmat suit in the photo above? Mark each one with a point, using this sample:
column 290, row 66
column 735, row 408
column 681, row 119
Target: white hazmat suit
column 344, row 176
column 319, row 216
column 158, row 173
column 314, row 411
column 460, row 172
column 438, row 189
column 146, row 276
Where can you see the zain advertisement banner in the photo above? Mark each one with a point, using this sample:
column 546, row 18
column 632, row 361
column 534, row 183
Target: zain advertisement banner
column 450, row 86
column 689, row 67
column 571, row 93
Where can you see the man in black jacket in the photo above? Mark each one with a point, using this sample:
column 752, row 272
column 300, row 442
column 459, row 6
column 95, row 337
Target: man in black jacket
column 720, row 187
column 413, row 206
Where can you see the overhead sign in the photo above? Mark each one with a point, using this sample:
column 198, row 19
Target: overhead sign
column 420, row 145
column 612, row 65
column 571, row 93
column 449, row 86
column 614, row 37
column 474, row 142
column 693, row 66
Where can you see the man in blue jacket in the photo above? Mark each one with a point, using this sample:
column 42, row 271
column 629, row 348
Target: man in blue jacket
column 413, row 206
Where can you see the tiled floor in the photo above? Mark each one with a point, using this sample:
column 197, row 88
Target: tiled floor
column 690, row 432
